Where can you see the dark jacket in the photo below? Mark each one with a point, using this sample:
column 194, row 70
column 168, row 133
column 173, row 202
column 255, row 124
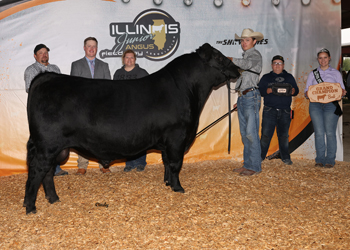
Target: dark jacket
column 135, row 73
column 275, row 101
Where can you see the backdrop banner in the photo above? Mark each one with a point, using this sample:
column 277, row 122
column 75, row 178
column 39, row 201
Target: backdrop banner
column 159, row 34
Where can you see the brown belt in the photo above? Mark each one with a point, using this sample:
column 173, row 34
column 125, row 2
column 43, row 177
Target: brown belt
column 245, row 91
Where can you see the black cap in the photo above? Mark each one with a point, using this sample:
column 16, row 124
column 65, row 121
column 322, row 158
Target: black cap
column 278, row 57
column 39, row 47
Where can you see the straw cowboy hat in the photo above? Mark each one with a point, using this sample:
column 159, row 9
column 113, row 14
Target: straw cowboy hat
column 250, row 33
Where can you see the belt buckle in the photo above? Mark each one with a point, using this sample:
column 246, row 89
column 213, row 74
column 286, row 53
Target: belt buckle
column 239, row 93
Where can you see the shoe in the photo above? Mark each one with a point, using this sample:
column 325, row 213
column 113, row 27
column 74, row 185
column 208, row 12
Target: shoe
column 320, row 165
column 61, row 173
column 288, row 162
column 129, row 168
column 328, row 166
column 239, row 170
column 140, row 168
column 105, row 170
column 248, row 172
column 81, row 171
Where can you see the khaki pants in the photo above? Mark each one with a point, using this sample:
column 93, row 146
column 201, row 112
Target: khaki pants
column 83, row 162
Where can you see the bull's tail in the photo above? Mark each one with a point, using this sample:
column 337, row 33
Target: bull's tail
column 31, row 152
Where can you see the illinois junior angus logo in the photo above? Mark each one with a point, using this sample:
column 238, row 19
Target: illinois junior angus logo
column 153, row 34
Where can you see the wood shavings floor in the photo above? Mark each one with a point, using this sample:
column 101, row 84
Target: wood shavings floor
column 284, row 207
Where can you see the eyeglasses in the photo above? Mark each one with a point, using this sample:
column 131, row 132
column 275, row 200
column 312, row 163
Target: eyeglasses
column 277, row 63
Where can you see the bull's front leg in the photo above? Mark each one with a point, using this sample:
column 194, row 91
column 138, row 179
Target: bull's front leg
column 172, row 164
column 166, row 168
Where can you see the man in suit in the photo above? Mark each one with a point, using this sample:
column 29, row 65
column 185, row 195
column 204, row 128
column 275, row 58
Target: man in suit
column 90, row 67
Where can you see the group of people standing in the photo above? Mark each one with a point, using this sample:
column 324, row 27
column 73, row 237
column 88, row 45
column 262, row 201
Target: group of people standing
column 89, row 67
column 277, row 113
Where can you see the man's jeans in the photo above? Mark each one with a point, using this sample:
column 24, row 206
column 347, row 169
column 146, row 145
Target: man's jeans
column 279, row 119
column 58, row 169
column 248, row 106
column 137, row 162
column 84, row 162
column 325, row 123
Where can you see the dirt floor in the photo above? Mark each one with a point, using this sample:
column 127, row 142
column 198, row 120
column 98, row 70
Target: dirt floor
column 284, row 207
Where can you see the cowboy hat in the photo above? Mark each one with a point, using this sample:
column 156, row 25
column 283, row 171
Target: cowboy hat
column 250, row 33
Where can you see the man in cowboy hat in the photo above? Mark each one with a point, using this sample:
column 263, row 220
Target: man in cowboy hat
column 249, row 101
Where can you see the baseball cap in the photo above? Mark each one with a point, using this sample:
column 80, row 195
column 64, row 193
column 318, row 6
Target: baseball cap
column 39, row 47
column 278, row 57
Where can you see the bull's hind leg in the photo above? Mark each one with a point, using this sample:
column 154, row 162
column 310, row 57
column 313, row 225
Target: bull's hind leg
column 49, row 185
column 37, row 170
column 173, row 160
column 48, row 181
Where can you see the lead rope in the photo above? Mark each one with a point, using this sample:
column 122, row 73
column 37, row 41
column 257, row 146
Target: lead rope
column 229, row 115
column 221, row 118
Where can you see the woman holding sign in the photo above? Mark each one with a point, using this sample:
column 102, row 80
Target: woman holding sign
column 325, row 88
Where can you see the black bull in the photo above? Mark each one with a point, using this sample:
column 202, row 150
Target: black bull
column 110, row 120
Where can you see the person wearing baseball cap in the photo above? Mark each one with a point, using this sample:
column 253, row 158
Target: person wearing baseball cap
column 249, row 101
column 277, row 89
column 41, row 55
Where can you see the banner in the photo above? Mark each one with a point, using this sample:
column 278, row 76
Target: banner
column 159, row 33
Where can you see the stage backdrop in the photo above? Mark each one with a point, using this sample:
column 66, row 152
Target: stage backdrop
column 160, row 33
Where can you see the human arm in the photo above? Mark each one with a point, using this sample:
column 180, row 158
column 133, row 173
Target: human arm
column 310, row 81
column 295, row 89
column 74, row 70
column 54, row 68
column 118, row 75
column 27, row 79
column 252, row 61
column 143, row 73
column 106, row 72
column 263, row 86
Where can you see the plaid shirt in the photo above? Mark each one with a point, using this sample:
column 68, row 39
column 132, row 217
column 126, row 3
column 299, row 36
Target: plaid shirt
column 251, row 60
column 35, row 69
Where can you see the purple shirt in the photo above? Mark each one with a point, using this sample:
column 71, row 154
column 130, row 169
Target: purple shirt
column 328, row 75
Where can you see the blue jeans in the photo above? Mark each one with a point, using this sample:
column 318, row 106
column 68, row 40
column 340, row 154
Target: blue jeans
column 58, row 169
column 279, row 119
column 137, row 162
column 325, row 124
column 248, row 106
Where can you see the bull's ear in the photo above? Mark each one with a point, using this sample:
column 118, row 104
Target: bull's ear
column 205, row 51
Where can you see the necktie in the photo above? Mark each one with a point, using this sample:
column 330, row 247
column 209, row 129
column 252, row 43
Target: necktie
column 92, row 68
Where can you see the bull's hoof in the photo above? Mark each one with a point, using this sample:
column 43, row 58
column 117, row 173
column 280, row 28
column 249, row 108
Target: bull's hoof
column 178, row 190
column 31, row 211
column 54, row 201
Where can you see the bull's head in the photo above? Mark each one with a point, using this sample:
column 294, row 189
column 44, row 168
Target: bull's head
column 218, row 61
